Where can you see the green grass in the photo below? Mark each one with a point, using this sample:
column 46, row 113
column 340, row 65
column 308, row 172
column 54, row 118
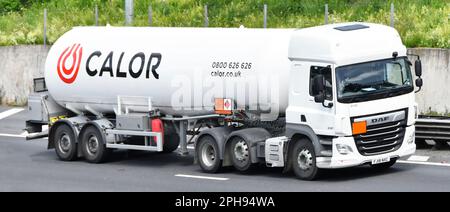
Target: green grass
column 434, row 113
column 421, row 23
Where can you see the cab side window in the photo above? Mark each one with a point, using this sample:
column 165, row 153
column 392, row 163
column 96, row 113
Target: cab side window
column 326, row 72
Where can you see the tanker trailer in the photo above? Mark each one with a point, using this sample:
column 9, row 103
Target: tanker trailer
column 308, row 99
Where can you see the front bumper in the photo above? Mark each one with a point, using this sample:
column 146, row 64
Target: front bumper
column 353, row 158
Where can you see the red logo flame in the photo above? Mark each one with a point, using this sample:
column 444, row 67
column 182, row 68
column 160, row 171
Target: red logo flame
column 69, row 75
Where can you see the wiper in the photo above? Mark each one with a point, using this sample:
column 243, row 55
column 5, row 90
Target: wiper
column 375, row 95
column 358, row 98
column 398, row 91
column 363, row 97
column 353, row 87
column 383, row 84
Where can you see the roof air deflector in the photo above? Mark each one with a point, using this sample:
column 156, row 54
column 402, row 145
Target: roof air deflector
column 351, row 27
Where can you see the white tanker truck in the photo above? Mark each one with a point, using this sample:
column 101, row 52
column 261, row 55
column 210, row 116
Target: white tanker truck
column 308, row 99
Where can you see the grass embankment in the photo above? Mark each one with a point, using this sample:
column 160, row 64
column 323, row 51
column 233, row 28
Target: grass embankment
column 421, row 23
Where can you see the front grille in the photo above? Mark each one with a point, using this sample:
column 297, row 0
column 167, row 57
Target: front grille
column 381, row 138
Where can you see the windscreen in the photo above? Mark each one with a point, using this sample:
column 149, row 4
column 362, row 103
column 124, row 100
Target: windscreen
column 373, row 80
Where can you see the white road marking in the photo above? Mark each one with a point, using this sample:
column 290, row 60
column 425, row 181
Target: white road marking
column 418, row 158
column 202, row 177
column 424, row 163
column 12, row 135
column 188, row 147
column 22, row 135
column 10, row 112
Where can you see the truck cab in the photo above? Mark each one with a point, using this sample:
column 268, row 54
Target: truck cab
column 357, row 105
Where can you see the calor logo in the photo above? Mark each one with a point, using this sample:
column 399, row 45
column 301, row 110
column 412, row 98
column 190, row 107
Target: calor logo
column 69, row 63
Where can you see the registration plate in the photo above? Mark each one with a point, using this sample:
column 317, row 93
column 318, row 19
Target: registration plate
column 381, row 160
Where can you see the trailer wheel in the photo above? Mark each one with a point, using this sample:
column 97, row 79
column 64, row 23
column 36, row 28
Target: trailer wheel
column 65, row 143
column 304, row 160
column 208, row 154
column 240, row 154
column 92, row 145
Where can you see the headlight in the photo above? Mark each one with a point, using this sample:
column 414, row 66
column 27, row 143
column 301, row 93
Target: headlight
column 410, row 139
column 416, row 112
column 343, row 149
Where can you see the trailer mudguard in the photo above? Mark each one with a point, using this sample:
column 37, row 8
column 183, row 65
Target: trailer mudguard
column 76, row 123
column 101, row 125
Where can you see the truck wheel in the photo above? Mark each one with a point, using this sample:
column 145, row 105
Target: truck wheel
column 304, row 160
column 65, row 143
column 92, row 145
column 240, row 154
column 208, row 154
column 383, row 166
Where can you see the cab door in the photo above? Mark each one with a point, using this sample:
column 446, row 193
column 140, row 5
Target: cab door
column 302, row 107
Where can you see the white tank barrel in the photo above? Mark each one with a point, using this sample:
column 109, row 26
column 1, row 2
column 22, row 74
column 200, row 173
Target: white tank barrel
column 182, row 70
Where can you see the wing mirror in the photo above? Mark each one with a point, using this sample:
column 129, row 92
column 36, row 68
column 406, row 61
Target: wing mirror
column 418, row 70
column 418, row 67
column 419, row 82
column 318, row 90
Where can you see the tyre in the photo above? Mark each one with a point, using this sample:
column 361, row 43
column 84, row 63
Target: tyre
column 93, row 146
column 171, row 139
column 171, row 142
column 65, row 143
column 384, row 166
column 303, row 159
column 207, row 152
column 240, row 154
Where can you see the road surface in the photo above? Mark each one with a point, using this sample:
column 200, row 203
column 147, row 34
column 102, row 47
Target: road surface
column 29, row 166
